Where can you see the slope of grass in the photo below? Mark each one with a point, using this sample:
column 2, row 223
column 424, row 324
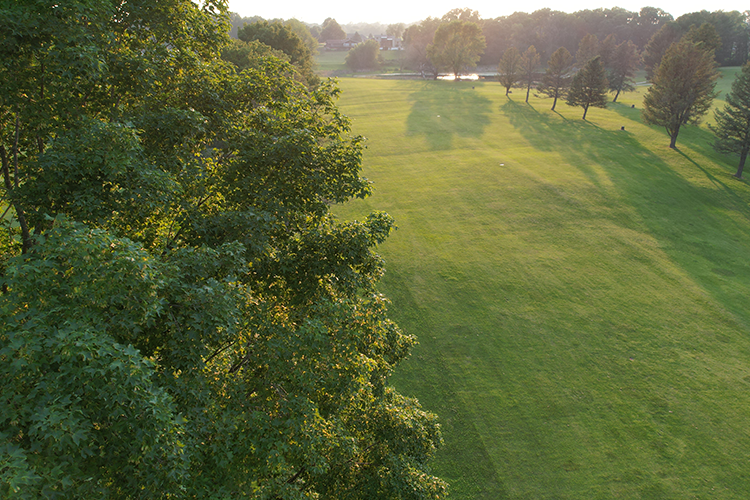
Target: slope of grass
column 579, row 291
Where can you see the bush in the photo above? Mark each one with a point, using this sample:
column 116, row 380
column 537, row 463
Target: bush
column 365, row 56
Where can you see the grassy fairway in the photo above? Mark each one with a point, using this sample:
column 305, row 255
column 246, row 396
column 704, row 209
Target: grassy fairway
column 580, row 292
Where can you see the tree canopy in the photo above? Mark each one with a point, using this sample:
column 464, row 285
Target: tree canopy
column 181, row 315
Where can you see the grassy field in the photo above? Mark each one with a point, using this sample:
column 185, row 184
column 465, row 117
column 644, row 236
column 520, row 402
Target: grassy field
column 580, row 292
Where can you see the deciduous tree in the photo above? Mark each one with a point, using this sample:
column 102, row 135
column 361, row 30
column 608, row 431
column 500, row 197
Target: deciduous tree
column 416, row 39
column 365, row 55
column 589, row 87
column 682, row 90
column 555, row 79
column 187, row 319
column 304, row 34
column 732, row 127
column 456, row 46
column 509, row 69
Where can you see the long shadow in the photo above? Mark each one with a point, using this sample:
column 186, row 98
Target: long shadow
column 690, row 220
column 441, row 111
column 739, row 204
column 581, row 142
column 700, row 140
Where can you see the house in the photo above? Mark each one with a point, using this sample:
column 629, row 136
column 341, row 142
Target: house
column 389, row 43
column 343, row 44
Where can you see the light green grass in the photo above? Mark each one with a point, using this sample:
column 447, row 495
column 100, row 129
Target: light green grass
column 332, row 63
column 580, row 293
column 329, row 61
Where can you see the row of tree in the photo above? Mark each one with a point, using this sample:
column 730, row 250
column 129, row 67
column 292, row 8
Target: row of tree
column 603, row 67
column 682, row 91
column 549, row 30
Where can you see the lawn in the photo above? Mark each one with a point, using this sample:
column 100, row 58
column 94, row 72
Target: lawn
column 579, row 291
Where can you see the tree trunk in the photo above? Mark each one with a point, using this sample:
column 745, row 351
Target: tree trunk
column 20, row 215
column 14, row 183
column 585, row 110
column 673, row 136
column 616, row 95
column 528, row 89
column 673, row 140
column 554, row 103
column 743, row 157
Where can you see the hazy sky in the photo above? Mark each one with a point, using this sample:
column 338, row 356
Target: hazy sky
column 394, row 11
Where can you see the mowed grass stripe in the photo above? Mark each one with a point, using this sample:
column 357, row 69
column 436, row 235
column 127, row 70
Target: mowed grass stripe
column 579, row 291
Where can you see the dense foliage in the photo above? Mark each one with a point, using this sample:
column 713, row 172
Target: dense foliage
column 181, row 316
column 282, row 37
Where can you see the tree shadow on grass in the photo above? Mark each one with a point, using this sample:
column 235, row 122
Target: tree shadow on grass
column 699, row 140
column 580, row 142
column 734, row 201
column 626, row 111
column 441, row 111
column 688, row 218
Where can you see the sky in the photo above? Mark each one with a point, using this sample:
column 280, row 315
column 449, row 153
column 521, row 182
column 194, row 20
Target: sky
column 400, row 11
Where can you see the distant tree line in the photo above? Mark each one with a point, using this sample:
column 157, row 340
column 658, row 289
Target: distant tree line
column 548, row 30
